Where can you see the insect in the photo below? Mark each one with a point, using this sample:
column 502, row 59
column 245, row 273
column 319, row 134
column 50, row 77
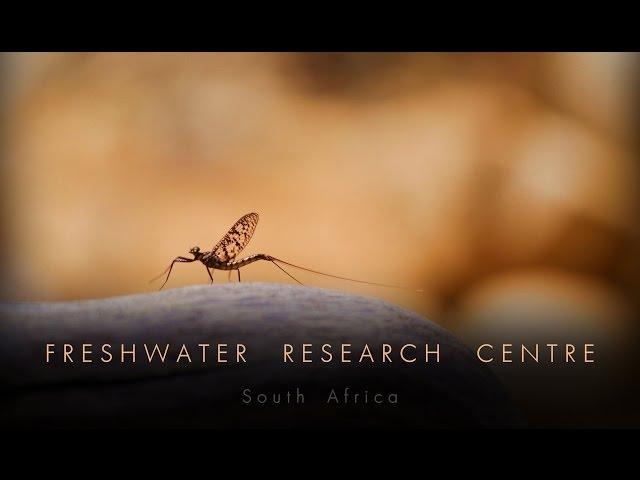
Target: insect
column 223, row 255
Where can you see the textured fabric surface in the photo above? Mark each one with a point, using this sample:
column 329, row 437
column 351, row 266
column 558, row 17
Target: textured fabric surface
column 458, row 390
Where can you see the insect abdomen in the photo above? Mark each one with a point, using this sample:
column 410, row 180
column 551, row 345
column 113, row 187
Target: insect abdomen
column 234, row 264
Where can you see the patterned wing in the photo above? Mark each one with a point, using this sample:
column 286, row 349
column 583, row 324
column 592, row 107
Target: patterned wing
column 236, row 238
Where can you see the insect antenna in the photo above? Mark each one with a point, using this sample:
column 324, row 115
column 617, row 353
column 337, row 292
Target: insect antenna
column 274, row 260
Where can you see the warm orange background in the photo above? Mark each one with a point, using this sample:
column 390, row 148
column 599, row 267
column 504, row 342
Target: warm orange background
column 496, row 182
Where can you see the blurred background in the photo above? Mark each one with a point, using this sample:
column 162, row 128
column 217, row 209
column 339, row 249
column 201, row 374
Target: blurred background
column 504, row 185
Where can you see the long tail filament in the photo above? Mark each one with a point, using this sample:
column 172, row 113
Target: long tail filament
column 274, row 260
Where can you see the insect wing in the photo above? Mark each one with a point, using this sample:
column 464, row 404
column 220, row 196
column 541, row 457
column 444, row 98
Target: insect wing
column 236, row 238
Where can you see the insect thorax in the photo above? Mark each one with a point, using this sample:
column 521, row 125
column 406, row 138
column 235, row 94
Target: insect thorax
column 212, row 261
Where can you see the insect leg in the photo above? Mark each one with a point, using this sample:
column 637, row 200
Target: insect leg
column 170, row 267
column 238, row 275
column 229, row 276
column 209, row 272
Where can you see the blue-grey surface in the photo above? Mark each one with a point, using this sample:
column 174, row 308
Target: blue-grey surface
column 458, row 391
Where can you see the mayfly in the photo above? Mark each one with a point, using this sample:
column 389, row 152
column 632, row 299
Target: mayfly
column 224, row 253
